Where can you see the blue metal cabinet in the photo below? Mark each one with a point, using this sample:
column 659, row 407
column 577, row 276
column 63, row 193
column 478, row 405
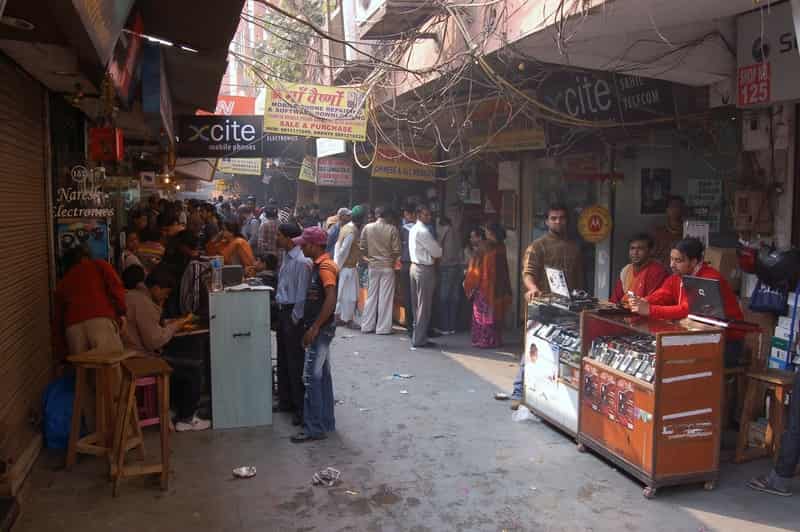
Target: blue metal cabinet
column 241, row 361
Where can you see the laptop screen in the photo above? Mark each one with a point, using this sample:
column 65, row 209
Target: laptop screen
column 705, row 298
column 557, row 281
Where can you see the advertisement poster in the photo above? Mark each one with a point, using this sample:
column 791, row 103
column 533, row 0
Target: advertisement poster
column 334, row 172
column 390, row 164
column 655, row 190
column 316, row 111
column 71, row 233
column 307, row 170
column 239, row 166
column 704, row 202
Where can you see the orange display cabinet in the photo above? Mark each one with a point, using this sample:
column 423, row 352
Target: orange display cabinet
column 661, row 426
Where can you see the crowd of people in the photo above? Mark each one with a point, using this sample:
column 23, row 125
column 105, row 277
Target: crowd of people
column 322, row 266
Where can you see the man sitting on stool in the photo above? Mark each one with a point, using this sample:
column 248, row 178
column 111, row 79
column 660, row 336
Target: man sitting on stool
column 643, row 275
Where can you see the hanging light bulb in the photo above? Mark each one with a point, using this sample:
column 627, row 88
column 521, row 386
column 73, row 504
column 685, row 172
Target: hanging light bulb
column 166, row 180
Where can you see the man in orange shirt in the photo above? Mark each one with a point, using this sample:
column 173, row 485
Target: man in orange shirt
column 320, row 325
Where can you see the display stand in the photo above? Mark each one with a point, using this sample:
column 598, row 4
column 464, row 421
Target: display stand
column 552, row 365
column 661, row 426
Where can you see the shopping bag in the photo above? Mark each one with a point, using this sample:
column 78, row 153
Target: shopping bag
column 767, row 299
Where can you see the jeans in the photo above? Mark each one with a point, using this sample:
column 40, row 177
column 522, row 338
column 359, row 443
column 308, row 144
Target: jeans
column 291, row 358
column 790, row 440
column 318, row 415
column 450, row 279
column 518, row 391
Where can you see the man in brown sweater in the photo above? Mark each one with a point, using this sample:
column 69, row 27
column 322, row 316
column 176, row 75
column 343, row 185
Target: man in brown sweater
column 553, row 250
column 347, row 254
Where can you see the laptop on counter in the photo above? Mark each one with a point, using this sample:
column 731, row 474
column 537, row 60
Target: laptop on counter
column 706, row 305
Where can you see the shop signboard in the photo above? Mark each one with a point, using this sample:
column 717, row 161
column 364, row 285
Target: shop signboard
column 316, row 111
column 81, row 194
column 327, row 147
column 229, row 136
column 239, row 165
column 123, row 68
column 607, row 96
column 391, row 164
column 103, row 20
column 156, row 97
column 307, row 170
column 334, row 172
column 228, row 105
column 594, row 224
column 531, row 138
column 767, row 56
column 704, row 201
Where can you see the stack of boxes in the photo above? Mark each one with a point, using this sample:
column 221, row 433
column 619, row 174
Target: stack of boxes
column 781, row 355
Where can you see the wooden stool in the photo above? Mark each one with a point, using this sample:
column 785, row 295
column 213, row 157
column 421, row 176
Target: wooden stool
column 759, row 383
column 148, row 410
column 106, row 367
column 135, row 369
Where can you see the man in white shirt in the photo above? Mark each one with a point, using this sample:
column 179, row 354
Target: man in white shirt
column 424, row 250
column 347, row 254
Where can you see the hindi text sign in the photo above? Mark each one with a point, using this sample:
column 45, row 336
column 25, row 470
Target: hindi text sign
column 316, row 111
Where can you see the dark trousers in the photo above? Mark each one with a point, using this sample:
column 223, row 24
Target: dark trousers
column 405, row 288
column 186, row 385
column 291, row 358
column 789, row 455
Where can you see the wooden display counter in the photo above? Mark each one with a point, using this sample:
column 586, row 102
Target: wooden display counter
column 661, row 426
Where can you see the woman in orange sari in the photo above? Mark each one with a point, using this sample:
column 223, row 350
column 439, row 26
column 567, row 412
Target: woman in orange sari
column 488, row 285
column 233, row 247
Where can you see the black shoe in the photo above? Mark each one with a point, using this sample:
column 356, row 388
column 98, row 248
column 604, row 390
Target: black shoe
column 297, row 420
column 433, row 334
column 302, row 437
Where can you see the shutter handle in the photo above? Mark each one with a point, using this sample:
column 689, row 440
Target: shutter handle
column 238, row 335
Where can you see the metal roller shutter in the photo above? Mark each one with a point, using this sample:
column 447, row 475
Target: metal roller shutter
column 26, row 361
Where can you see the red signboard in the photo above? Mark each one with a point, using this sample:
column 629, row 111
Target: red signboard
column 233, row 105
column 334, row 172
column 105, row 144
column 754, row 84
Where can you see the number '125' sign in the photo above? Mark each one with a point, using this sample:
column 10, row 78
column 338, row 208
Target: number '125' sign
column 754, row 84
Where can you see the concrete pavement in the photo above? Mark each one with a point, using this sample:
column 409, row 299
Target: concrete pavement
column 444, row 456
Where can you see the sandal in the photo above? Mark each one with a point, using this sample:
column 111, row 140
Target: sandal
column 302, row 437
column 763, row 484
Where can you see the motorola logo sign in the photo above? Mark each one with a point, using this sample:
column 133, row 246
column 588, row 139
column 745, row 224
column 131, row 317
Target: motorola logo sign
column 760, row 50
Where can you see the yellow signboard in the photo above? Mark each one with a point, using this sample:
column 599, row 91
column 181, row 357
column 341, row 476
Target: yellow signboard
column 512, row 140
column 238, row 165
column 594, row 223
column 316, row 111
column 307, row 170
column 390, row 164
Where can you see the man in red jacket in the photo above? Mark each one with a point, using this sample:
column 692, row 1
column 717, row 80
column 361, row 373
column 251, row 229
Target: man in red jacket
column 643, row 275
column 670, row 302
column 89, row 305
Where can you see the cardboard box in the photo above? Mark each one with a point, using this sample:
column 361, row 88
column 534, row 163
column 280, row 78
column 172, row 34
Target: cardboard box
column 785, row 322
column 726, row 261
column 779, row 354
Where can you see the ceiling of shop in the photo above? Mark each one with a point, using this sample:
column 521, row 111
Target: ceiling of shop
column 648, row 38
column 62, row 47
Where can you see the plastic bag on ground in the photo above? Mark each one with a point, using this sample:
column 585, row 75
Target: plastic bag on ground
column 523, row 414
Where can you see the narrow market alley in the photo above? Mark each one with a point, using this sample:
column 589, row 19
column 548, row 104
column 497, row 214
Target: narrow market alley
column 427, row 453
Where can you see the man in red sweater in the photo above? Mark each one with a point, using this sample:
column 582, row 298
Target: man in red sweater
column 89, row 305
column 670, row 302
column 643, row 275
